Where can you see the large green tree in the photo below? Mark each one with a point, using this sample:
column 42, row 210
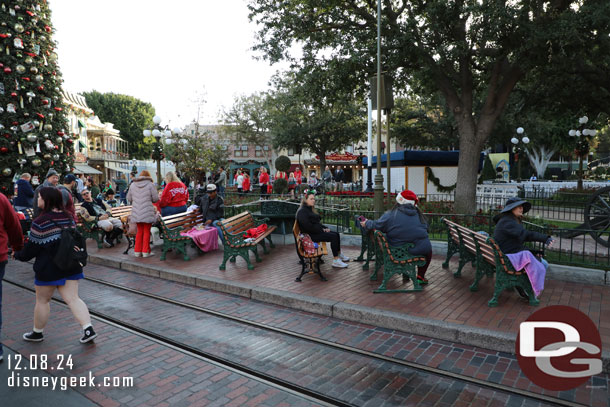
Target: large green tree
column 308, row 110
column 129, row 115
column 472, row 52
column 32, row 118
column 247, row 121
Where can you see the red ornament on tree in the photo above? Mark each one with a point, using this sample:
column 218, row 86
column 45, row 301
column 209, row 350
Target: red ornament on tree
column 40, row 115
column 59, row 109
column 47, row 28
column 3, row 150
column 7, row 70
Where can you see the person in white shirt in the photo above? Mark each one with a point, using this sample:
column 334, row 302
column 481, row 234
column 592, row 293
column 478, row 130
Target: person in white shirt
column 240, row 182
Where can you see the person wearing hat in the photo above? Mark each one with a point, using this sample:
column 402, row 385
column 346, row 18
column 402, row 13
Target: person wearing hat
column 212, row 207
column 406, row 224
column 66, row 193
column 510, row 234
column 52, row 179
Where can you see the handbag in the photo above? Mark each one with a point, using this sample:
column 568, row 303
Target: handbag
column 308, row 246
column 132, row 227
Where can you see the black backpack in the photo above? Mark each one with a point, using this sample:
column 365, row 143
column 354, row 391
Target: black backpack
column 71, row 253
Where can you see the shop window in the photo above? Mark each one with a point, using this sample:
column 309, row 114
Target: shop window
column 290, row 151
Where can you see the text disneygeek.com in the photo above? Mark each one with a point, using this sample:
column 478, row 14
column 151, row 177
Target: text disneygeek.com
column 63, row 383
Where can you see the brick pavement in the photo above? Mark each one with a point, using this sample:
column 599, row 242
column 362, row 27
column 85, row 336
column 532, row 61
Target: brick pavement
column 446, row 298
column 162, row 376
column 341, row 374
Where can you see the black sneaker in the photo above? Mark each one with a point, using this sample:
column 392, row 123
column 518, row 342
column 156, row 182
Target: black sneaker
column 33, row 336
column 522, row 293
column 88, row 335
column 108, row 242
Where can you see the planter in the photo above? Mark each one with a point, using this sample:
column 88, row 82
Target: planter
column 279, row 208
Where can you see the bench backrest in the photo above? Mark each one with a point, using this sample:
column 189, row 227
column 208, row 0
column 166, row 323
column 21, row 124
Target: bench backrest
column 238, row 224
column 120, row 211
column 452, row 230
column 186, row 220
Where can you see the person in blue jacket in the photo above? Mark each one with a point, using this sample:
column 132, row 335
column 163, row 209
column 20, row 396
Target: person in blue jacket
column 405, row 224
column 25, row 193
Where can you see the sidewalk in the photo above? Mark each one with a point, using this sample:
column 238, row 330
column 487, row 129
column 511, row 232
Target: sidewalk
column 445, row 309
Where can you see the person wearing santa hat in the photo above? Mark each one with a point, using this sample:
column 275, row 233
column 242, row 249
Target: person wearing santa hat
column 406, row 224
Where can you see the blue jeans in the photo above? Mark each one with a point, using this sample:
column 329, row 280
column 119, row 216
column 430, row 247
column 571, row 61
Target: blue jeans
column 544, row 263
column 215, row 224
column 2, row 269
column 221, row 191
column 172, row 210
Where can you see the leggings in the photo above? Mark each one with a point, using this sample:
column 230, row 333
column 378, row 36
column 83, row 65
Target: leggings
column 332, row 237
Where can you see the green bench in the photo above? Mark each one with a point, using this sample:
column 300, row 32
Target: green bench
column 89, row 230
column 486, row 257
column 171, row 228
column 367, row 245
column 234, row 243
column 396, row 260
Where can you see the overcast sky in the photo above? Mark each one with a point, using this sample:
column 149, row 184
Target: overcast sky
column 163, row 52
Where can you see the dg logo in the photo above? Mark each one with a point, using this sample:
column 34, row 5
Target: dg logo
column 559, row 348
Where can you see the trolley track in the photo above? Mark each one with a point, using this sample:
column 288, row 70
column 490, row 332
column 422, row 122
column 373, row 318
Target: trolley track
column 294, row 388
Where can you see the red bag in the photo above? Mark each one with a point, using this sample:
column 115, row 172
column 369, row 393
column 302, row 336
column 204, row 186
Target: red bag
column 308, row 246
column 255, row 232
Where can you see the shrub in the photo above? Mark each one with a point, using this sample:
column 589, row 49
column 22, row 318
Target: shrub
column 282, row 163
column 280, row 185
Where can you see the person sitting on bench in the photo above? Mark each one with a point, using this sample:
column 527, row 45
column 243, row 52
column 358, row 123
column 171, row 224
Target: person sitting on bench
column 91, row 211
column 309, row 222
column 405, row 224
column 212, row 208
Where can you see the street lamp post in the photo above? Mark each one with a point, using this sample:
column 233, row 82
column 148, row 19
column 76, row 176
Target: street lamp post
column 360, row 163
column 582, row 146
column 157, row 131
column 517, row 149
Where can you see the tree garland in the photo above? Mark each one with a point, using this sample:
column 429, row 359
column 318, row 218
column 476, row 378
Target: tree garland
column 437, row 183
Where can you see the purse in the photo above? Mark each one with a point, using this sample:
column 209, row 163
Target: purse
column 308, row 246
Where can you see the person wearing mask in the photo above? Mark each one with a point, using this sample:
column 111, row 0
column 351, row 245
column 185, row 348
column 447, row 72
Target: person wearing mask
column 212, row 207
column 10, row 234
column 510, row 235
column 45, row 237
column 66, row 193
column 25, row 193
column 92, row 211
column 174, row 197
column 221, row 182
column 52, row 179
column 142, row 194
column 403, row 224
column 339, row 178
column 309, row 222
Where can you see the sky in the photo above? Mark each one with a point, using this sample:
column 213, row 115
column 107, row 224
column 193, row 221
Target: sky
column 164, row 52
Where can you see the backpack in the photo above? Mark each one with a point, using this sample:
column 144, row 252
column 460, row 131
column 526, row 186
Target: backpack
column 308, row 246
column 71, row 255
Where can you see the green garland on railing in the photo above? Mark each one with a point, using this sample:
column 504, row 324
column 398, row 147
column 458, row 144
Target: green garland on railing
column 437, row 183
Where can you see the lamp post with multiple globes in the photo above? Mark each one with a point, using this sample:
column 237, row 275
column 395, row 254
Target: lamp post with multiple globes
column 157, row 131
column 518, row 149
column 582, row 145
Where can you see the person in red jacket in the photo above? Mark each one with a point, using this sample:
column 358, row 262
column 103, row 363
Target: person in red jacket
column 174, row 197
column 263, row 180
column 10, row 232
column 298, row 175
column 246, row 183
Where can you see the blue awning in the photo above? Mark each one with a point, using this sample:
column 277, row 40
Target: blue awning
column 422, row 158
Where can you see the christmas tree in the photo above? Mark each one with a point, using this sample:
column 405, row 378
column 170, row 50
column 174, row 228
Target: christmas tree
column 32, row 118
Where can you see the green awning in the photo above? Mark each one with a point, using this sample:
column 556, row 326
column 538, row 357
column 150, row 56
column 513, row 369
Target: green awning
column 82, row 145
column 81, row 124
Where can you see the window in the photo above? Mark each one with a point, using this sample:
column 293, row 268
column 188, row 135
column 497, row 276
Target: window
column 237, row 153
column 258, row 147
column 290, row 151
column 244, row 148
column 266, row 148
column 192, row 131
column 259, row 153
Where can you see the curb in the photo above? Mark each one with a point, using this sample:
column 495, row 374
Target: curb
column 466, row 335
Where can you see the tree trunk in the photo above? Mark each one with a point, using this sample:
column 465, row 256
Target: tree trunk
column 468, row 168
column 540, row 160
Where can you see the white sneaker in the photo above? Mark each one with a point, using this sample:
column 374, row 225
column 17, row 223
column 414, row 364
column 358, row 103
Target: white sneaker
column 343, row 257
column 148, row 254
column 137, row 254
column 339, row 264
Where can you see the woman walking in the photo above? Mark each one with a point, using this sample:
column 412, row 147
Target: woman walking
column 45, row 237
column 142, row 194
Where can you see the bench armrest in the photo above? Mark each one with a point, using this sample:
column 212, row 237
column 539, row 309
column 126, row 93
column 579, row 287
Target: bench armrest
column 258, row 222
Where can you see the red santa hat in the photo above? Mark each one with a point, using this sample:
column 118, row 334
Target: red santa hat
column 407, row 197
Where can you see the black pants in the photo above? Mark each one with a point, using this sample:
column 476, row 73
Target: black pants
column 421, row 270
column 332, row 237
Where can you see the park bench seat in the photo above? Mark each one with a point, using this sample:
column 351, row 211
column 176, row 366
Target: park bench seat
column 486, row 257
column 123, row 213
column 171, row 228
column 235, row 245
column 396, row 260
column 89, row 230
column 310, row 262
